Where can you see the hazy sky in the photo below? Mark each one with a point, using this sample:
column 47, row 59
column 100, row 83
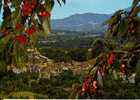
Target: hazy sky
column 84, row 6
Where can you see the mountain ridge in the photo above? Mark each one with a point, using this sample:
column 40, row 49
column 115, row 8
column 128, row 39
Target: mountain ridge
column 87, row 22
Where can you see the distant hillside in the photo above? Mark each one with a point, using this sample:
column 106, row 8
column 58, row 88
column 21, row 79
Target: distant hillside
column 87, row 22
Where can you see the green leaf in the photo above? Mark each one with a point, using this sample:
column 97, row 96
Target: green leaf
column 46, row 27
column 0, row 5
column 19, row 55
column 52, row 3
column 64, row 1
column 135, row 11
column 122, row 28
column 135, row 3
column 115, row 29
column 115, row 18
column 59, row 2
column 137, row 19
column 107, row 22
column 129, row 45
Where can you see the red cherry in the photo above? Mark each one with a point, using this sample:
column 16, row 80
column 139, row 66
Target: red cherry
column 95, row 84
column 47, row 14
column 92, row 90
column 27, row 9
column 40, row 14
column 44, row 14
column 31, row 30
column 33, row 6
column 110, row 59
column 25, row 1
column 129, row 30
column 133, row 30
column 21, row 39
column 28, row 14
column 93, row 87
column 18, row 26
column 85, row 86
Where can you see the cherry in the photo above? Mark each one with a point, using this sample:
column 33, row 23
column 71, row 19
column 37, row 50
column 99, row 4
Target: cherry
column 21, row 39
column 40, row 14
column 110, row 59
column 31, row 30
column 18, row 26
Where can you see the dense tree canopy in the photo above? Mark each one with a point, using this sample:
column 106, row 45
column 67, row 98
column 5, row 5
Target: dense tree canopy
column 120, row 61
column 23, row 22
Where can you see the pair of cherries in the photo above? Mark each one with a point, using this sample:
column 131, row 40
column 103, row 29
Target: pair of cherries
column 22, row 38
column 89, row 85
column 44, row 14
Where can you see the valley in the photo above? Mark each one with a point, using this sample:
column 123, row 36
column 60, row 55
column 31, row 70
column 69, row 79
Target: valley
column 68, row 39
